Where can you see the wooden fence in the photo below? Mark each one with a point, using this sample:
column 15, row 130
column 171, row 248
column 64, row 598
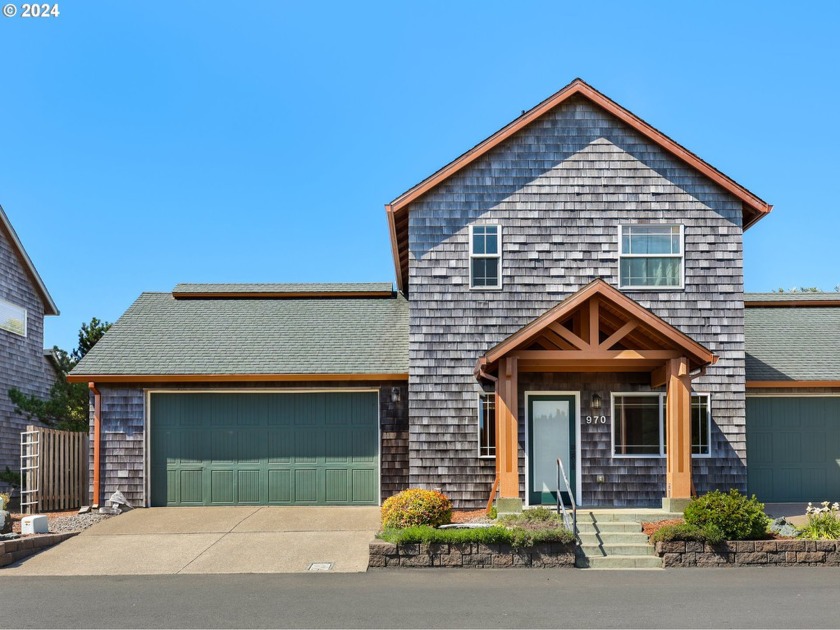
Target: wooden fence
column 54, row 466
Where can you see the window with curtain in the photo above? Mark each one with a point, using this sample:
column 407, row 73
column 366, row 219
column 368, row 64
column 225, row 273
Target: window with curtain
column 487, row 425
column 650, row 256
column 12, row 318
column 485, row 257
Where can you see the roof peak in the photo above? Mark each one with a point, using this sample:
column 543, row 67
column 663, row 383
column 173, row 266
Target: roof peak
column 49, row 305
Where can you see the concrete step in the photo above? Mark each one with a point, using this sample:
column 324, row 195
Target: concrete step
column 612, row 538
column 619, row 562
column 608, row 526
column 609, row 549
column 638, row 516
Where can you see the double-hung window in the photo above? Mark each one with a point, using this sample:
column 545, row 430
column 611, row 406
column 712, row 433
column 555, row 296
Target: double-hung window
column 485, row 257
column 639, row 425
column 650, row 255
column 12, row 318
column 487, row 425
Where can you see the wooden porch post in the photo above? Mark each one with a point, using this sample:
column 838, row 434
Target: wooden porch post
column 507, row 432
column 678, row 429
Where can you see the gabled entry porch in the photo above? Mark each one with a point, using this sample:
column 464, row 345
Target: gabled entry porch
column 556, row 383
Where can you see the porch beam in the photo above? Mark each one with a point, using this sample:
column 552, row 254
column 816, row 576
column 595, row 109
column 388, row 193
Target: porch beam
column 556, row 339
column 602, row 355
column 678, row 429
column 659, row 376
column 618, row 335
column 594, row 322
column 507, row 432
column 628, row 365
column 569, row 336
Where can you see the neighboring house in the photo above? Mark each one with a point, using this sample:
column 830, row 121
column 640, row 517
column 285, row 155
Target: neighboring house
column 24, row 364
column 571, row 288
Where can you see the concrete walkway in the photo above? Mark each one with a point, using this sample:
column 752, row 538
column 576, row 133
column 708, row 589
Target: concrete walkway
column 213, row 540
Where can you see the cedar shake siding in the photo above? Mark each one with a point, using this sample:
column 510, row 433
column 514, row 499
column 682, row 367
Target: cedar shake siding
column 560, row 188
column 22, row 362
column 124, row 433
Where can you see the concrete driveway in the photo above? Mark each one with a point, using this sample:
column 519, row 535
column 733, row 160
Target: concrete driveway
column 213, row 540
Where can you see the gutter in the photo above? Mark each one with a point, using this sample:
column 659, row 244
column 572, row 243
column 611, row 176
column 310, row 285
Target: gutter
column 97, row 431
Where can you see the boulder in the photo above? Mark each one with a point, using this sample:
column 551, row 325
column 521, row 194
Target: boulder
column 118, row 499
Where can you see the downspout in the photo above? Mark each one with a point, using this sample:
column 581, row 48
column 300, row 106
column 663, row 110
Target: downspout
column 97, row 429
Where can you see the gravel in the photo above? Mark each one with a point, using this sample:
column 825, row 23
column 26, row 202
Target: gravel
column 75, row 523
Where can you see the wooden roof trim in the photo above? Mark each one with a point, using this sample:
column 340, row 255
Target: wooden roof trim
column 266, row 295
column 578, row 86
column 791, row 384
column 229, row 378
column 790, row 303
column 49, row 305
column 599, row 287
column 395, row 248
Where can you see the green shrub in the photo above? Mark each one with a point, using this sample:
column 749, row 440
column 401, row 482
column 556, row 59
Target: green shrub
column 5, row 497
column 493, row 513
column 684, row 531
column 823, row 522
column 416, row 506
column 731, row 516
column 493, row 535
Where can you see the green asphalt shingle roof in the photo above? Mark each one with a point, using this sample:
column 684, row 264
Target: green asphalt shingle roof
column 792, row 343
column 311, row 287
column 161, row 335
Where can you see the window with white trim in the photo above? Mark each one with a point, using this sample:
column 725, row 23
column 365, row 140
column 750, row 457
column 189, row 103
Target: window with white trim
column 486, row 256
column 639, row 425
column 650, row 255
column 487, row 425
column 12, row 318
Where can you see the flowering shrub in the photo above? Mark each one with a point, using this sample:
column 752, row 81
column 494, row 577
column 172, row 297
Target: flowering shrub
column 416, row 507
column 728, row 516
column 823, row 522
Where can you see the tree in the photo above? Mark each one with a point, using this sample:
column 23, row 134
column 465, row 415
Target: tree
column 66, row 407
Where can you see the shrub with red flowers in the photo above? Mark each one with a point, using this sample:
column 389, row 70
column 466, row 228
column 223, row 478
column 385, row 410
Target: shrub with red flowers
column 416, row 506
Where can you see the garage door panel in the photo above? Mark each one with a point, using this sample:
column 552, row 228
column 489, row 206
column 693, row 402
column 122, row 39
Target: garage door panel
column 802, row 464
column 279, row 449
column 305, row 485
column 336, row 481
column 280, row 486
column 363, row 487
column 248, row 486
column 223, row 445
column 280, row 446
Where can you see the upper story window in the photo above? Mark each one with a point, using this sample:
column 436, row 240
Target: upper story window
column 12, row 318
column 485, row 256
column 650, row 256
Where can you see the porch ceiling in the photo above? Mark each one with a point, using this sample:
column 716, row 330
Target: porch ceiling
column 597, row 329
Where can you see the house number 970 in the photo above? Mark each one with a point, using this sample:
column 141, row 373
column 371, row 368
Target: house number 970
column 596, row 419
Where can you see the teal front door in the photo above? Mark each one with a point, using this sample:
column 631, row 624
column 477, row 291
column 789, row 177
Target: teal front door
column 551, row 436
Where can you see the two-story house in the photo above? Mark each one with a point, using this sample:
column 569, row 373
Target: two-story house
column 569, row 289
column 24, row 364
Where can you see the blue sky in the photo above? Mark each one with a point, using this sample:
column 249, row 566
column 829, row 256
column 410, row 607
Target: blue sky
column 147, row 143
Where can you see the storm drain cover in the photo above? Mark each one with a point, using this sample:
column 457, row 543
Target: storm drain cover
column 320, row 566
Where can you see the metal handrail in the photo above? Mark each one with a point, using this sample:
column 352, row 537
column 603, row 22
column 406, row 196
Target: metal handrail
column 561, row 508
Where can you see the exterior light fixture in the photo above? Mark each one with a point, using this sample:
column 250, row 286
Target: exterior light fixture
column 395, row 394
column 596, row 402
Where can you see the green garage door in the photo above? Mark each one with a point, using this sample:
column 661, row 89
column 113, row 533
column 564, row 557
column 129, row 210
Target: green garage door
column 264, row 449
column 793, row 449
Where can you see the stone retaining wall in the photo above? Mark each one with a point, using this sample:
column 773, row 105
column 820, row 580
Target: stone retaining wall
column 814, row 553
column 20, row 548
column 470, row 555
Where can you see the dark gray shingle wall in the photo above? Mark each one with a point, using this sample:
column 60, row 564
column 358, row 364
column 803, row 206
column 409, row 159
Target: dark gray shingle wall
column 560, row 188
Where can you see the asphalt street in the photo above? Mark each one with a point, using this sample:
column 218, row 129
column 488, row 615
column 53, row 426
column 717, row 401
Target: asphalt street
column 693, row 598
